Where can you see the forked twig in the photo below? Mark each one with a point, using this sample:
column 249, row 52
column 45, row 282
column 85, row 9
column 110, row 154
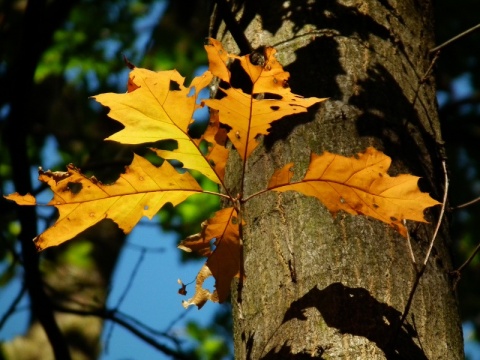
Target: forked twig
column 458, row 272
column 124, row 322
column 419, row 273
column 470, row 258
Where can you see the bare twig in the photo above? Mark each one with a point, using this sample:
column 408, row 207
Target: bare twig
column 177, row 319
column 419, row 273
column 430, row 67
column 125, row 292
column 145, row 248
column 442, row 212
column 113, row 316
column 470, row 258
column 474, row 201
column 455, row 38
column 418, row 276
column 409, row 245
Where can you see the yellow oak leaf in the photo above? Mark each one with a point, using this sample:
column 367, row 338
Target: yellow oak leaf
column 359, row 185
column 250, row 115
column 223, row 262
column 82, row 202
column 158, row 107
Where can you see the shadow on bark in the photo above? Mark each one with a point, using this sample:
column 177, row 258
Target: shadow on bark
column 354, row 311
column 403, row 134
column 285, row 354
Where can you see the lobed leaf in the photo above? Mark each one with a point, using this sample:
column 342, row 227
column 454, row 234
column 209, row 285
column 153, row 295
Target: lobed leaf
column 359, row 185
column 158, row 107
column 82, row 202
column 250, row 115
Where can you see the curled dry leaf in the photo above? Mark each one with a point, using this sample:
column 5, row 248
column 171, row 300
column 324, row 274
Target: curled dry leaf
column 223, row 262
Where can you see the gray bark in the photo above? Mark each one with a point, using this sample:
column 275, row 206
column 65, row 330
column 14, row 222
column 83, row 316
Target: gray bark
column 336, row 287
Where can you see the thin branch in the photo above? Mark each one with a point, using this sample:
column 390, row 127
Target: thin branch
column 177, row 319
column 395, row 333
column 470, row 258
column 430, row 67
column 419, row 273
column 474, row 201
column 144, row 326
column 455, row 38
column 409, row 245
column 145, row 248
column 112, row 315
column 442, row 212
column 13, row 306
column 125, row 292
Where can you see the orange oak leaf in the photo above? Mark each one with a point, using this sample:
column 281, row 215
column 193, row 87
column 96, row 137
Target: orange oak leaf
column 218, row 59
column 158, row 107
column 82, row 202
column 216, row 137
column 359, row 185
column 223, row 262
column 250, row 115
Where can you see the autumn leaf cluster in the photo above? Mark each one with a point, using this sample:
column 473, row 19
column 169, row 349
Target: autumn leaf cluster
column 158, row 106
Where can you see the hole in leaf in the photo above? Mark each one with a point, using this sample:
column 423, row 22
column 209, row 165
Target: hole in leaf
column 234, row 220
column 393, row 218
column 74, row 188
column 174, row 86
column 209, row 284
column 274, row 108
column 240, row 79
column 270, row 96
column 220, row 94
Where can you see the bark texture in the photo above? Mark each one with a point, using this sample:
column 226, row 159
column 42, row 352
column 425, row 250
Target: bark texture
column 330, row 288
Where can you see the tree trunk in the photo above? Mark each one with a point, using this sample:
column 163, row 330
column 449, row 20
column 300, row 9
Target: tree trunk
column 336, row 287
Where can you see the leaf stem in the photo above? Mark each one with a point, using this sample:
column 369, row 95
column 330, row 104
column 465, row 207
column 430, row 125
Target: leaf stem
column 255, row 194
column 226, row 196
